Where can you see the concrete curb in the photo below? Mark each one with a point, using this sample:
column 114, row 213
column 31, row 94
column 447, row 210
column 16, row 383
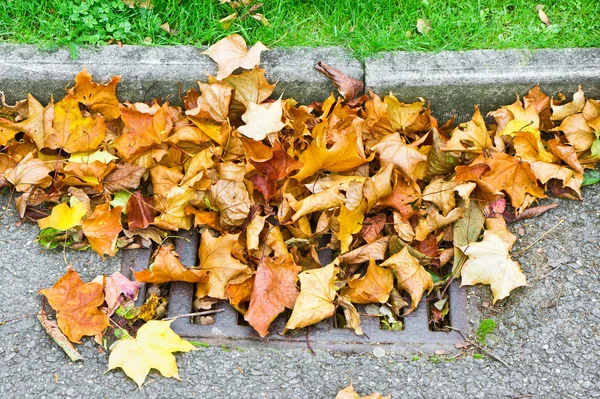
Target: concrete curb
column 490, row 78
column 449, row 80
column 149, row 72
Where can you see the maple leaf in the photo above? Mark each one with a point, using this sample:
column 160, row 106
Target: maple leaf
column 174, row 216
column 277, row 167
column 320, row 201
column 253, row 231
column 375, row 250
column 375, row 286
column 116, row 288
column 232, row 200
column 167, row 267
column 343, row 156
column 393, row 149
column 76, row 306
column 434, row 221
column 33, row 125
column 315, row 300
column 89, row 157
column 410, row 275
column 142, row 130
column 466, row 230
column 274, row 290
column 214, row 102
column 441, row 193
column 513, row 176
column 560, row 112
column 470, row 136
column 140, row 211
column 101, row 98
column 29, row 172
column 262, row 120
column 215, row 257
column 231, row 53
column 351, row 314
column 152, row 348
column 72, row 131
column 240, row 292
column 124, row 177
column 490, row 263
column 64, row 217
column 102, row 229
column 351, row 222
column 250, row 87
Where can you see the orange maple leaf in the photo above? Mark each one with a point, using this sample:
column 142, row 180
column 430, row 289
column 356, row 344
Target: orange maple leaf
column 274, row 290
column 76, row 306
column 167, row 267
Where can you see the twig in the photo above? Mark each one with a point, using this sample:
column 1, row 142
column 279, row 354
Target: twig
column 481, row 348
column 18, row 318
column 207, row 312
column 541, row 237
column 308, row 345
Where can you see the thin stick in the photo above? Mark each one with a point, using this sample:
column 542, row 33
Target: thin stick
column 308, row 345
column 541, row 237
column 19, row 318
column 207, row 312
column 481, row 348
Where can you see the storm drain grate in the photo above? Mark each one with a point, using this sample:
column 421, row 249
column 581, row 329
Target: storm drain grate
column 229, row 330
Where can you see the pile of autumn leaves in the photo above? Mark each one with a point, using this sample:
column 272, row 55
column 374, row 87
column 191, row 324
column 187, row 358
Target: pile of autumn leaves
column 409, row 205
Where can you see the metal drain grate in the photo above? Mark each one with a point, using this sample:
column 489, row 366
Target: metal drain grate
column 228, row 330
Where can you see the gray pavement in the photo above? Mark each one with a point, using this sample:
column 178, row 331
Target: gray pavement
column 548, row 334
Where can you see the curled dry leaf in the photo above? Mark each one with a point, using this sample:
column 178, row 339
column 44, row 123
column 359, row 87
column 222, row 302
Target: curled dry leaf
column 117, row 287
column 347, row 86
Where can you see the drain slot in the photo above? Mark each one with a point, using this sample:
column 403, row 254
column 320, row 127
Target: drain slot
column 229, row 326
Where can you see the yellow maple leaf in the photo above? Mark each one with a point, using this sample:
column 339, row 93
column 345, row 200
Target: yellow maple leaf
column 470, row 136
column 152, row 348
column 375, row 286
column 315, row 301
column 64, row 217
column 215, row 256
column 341, row 157
column 231, row 53
column 261, row 120
column 490, row 263
column 89, row 157
column 411, row 276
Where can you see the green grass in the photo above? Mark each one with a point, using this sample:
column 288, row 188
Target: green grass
column 363, row 26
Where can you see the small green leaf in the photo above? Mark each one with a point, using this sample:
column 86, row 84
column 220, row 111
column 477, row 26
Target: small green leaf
column 120, row 199
column 208, row 205
column 590, row 177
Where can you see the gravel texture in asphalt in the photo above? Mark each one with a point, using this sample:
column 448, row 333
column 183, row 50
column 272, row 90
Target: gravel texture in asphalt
column 547, row 333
